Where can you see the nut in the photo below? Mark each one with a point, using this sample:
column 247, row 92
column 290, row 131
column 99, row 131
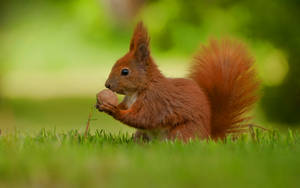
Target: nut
column 107, row 96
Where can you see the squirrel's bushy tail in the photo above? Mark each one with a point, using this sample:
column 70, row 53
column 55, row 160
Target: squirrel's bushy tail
column 224, row 70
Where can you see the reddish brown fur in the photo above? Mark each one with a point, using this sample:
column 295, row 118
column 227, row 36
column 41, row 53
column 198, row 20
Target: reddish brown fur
column 225, row 73
column 167, row 108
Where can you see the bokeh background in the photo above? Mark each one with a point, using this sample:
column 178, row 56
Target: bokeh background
column 55, row 55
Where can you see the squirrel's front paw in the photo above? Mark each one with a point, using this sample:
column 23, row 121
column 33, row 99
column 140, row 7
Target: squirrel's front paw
column 108, row 108
column 97, row 106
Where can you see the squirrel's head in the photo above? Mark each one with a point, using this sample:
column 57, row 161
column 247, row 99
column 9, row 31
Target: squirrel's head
column 130, row 73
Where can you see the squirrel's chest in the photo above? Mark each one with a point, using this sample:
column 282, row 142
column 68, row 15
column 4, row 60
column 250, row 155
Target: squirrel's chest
column 129, row 100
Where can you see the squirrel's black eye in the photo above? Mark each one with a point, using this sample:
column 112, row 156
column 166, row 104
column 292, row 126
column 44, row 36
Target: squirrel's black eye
column 124, row 72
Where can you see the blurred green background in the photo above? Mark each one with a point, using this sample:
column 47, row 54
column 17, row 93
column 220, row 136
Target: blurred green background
column 55, row 55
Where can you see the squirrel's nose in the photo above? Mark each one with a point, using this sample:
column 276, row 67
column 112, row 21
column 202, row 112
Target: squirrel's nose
column 107, row 85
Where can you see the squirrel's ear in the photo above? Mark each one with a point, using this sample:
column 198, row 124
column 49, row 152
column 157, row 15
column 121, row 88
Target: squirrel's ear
column 139, row 44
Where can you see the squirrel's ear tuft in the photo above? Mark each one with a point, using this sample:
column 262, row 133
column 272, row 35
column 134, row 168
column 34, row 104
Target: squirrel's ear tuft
column 140, row 42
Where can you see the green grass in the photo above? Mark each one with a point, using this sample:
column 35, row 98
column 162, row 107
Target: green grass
column 63, row 114
column 67, row 159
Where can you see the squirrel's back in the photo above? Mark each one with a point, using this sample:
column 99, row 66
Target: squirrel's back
column 224, row 71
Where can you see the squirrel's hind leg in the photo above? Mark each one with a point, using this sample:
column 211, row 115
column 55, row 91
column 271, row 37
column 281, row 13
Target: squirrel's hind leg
column 188, row 131
column 140, row 136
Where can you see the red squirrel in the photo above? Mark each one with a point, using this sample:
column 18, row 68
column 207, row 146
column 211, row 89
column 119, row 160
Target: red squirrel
column 209, row 104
